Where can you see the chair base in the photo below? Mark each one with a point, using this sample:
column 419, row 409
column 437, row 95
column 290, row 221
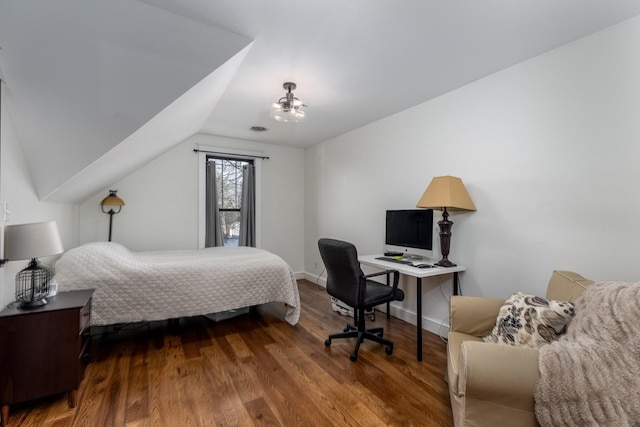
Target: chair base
column 351, row 331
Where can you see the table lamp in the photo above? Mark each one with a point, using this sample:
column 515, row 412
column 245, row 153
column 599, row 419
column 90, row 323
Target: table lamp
column 112, row 201
column 32, row 241
column 446, row 192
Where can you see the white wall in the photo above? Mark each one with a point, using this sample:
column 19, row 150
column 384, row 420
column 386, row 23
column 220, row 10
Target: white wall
column 19, row 191
column 161, row 210
column 548, row 150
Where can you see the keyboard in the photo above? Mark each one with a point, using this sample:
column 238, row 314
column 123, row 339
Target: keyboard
column 396, row 260
column 416, row 264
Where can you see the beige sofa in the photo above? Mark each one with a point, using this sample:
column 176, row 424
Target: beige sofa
column 492, row 384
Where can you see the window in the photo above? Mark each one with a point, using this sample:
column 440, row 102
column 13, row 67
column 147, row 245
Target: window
column 229, row 188
column 207, row 154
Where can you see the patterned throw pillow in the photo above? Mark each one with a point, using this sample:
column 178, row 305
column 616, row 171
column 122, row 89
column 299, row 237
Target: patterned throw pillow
column 527, row 320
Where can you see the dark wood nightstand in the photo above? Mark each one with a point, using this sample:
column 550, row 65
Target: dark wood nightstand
column 44, row 350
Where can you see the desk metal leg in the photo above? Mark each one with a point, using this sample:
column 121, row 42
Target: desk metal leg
column 388, row 303
column 456, row 283
column 419, row 317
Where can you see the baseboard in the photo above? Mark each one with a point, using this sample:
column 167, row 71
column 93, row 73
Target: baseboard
column 320, row 281
column 436, row 326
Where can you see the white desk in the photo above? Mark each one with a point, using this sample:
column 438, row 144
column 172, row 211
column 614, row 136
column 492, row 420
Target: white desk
column 418, row 273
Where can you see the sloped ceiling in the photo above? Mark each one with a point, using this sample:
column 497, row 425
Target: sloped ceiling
column 97, row 88
column 83, row 76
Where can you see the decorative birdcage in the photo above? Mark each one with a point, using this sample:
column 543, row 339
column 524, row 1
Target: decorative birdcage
column 32, row 284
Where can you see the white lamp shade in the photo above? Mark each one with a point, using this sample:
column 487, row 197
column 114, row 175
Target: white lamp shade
column 34, row 240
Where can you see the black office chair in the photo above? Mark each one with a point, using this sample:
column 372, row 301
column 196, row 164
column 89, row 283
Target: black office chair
column 347, row 282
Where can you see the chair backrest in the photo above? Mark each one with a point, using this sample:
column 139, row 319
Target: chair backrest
column 343, row 269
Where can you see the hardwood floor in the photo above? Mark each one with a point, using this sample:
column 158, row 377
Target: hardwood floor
column 247, row 371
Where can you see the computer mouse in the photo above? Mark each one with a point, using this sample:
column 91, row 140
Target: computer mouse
column 424, row 266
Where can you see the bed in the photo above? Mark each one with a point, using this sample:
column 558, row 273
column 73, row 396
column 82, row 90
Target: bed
column 147, row 286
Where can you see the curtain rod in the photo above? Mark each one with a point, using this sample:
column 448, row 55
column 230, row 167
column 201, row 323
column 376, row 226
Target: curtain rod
column 248, row 156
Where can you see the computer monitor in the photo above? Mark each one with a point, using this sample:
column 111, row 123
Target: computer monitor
column 409, row 232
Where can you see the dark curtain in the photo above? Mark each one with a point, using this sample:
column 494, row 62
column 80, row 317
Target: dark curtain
column 248, row 207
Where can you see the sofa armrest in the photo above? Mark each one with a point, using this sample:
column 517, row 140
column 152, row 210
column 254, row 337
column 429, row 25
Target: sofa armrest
column 502, row 374
column 473, row 315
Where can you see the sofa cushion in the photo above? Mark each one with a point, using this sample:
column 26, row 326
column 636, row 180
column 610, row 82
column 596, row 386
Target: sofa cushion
column 527, row 320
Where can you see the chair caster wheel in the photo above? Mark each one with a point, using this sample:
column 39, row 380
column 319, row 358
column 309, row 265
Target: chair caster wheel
column 327, row 342
column 353, row 357
column 389, row 350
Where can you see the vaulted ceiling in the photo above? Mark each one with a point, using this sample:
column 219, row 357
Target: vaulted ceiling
column 95, row 89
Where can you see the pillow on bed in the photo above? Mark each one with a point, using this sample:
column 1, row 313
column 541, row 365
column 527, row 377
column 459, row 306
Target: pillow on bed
column 531, row 321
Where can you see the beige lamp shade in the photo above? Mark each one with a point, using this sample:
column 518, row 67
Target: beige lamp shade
column 34, row 240
column 112, row 199
column 446, row 192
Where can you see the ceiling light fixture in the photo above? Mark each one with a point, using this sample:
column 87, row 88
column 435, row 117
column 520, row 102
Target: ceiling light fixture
column 288, row 108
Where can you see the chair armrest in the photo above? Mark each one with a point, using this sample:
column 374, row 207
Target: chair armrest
column 473, row 315
column 503, row 374
column 396, row 276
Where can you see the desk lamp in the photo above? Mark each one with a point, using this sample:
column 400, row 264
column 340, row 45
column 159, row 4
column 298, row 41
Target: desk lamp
column 446, row 192
column 112, row 201
column 32, row 241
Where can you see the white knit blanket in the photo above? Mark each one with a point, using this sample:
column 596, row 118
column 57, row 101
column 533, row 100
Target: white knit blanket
column 591, row 375
column 155, row 285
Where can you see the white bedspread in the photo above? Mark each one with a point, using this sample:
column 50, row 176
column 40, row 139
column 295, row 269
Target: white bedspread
column 155, row 285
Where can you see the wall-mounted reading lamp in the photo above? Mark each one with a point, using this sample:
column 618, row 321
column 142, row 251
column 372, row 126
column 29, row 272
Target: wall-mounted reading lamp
column 114, row 204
